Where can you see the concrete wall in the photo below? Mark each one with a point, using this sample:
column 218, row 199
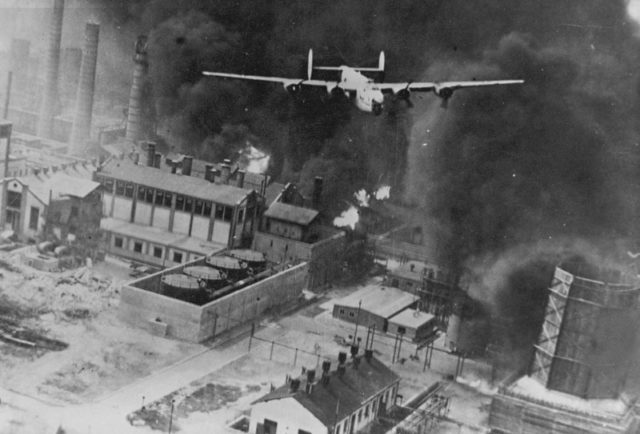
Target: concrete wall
column 364, row 317
column 324, row 256
column 511, row 414
column 194, row 323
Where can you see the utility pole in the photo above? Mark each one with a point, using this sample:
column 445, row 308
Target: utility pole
column 355, row 333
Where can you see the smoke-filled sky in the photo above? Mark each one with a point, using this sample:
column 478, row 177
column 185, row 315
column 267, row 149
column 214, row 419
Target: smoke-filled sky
column 552, row 161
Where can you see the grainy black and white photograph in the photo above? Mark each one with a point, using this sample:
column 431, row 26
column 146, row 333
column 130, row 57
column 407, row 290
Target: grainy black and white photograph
column 319, row 217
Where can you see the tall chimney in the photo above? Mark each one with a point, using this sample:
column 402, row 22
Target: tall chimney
column 187, row 164
column 70, row 64
column 19, row 62
column 81, row 129
column 151, row 154
column 50, row 97
column 140, row 69
column 317, row 192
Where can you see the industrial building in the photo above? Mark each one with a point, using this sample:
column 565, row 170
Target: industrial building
column 373, row 306
column 415, row 325
column 291, row 232
column 169, row 218
column 346, row 400
column 199, row 300
column 577, row 376
column 29, row 199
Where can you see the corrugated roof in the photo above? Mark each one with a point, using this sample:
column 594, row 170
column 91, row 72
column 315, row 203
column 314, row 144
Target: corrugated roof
column 291, row 213
column 199, row 188
column 72, row 181
column 351, row 390
column 382, row 301
column 411, row 318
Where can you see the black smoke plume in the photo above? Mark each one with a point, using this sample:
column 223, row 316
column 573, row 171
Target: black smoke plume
column 502, row 168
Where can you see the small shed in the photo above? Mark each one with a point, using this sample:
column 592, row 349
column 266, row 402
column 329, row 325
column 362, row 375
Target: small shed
column 372, row 306
column 414, row 324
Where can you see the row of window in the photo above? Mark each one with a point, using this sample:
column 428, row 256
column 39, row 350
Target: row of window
column 370, row 407
column 156, row 251
column 164, row 198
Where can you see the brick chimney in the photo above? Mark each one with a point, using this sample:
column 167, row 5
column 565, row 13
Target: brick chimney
column 140, row 71
column 208, row 173
column 240, row 178
column 151, row 154
column 187, row 164
column 157, row 160
column 81, row 129
column 52, row 67
column 225, row 169
column 316, row 196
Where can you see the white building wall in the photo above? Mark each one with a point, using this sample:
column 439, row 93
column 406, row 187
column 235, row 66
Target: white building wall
column 107, row 200
column 161, row 218
column 221, row 232
column 181, row 222
column 143, row 213
column 290, row 415
column 122, row 208
column 200, row 228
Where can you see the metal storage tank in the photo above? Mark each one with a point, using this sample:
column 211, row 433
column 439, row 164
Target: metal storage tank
column 208, row 277
column 183, row 287
column 588, row 334
column 253, row 258
column 233, row 267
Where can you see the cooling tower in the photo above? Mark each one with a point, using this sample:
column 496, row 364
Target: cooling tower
column 587, row 336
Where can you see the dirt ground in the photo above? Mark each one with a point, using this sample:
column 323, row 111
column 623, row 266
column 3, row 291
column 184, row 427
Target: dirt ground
column 78, row 308
column 225, row 395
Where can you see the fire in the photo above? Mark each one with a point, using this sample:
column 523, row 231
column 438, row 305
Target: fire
column 384, row 192
column 348, row 218
column 362, row 197
column 258, row 161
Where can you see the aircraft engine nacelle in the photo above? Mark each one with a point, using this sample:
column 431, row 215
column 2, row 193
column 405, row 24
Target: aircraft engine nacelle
column 403, row 94
column 293, row 89
column 336, row 92
column 444, row 93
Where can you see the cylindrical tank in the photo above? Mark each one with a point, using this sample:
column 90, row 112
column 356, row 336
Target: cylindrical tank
column 588, row 335
column 183, row 287
column 253, row 258
column 52, row 66
column 209, row 277
column 233, row 267
column 81, row 129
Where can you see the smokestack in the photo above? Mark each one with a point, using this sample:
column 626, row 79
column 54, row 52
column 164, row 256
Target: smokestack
column 140, row 70
column 52, row 65
column 20, row 62
column 208, row 173
column 187, row 164
column 81, row 130
column 71, row 63
column 157, row 160
column 151, row 153
column 240, row 178
column 317, row 192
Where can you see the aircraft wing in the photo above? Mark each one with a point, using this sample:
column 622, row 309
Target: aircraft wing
column 284, row 81
column 451, row 85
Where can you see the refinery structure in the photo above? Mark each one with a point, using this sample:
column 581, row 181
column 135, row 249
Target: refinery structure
column 159, row 279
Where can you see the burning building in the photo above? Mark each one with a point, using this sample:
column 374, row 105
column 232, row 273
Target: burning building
column 581, row 360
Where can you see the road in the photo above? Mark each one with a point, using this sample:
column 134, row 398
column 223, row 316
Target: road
column 108, row 414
